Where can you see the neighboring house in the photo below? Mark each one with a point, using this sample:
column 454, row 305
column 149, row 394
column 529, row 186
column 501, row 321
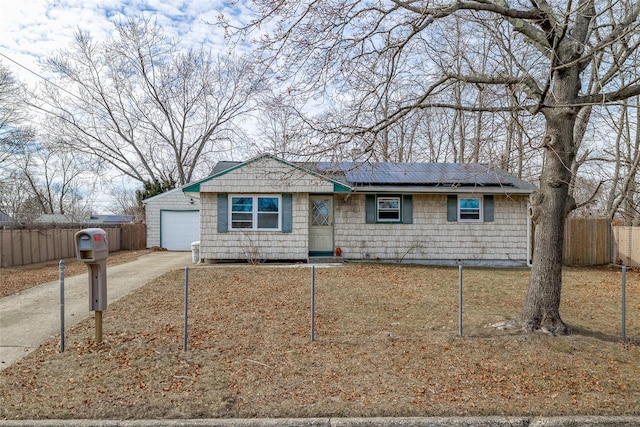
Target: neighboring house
column 5, row 219
column 110, row 219
column 270, row 209
column 173, row 220
column 55, row 219
column 92, row 220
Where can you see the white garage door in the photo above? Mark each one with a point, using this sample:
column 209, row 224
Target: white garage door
column 178, row 229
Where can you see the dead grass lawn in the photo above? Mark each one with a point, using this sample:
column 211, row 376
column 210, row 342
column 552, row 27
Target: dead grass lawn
column 386, row 345
column 16, row 279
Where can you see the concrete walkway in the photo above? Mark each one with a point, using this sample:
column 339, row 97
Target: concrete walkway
column 30, row 317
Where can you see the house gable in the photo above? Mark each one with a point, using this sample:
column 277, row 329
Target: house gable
column 266, row 174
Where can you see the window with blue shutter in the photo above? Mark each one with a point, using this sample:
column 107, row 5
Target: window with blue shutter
column 254, row 213
column 250, row 212
column 470, row 208
column 388, row 209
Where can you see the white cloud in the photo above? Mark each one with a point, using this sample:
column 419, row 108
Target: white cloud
column 32, row 30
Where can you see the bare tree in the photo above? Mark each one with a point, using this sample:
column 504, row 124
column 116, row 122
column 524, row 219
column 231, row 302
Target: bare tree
column 279, row 125
column 12, row 135
column 624, row 158
column 56, row 181
column 125, row 202
column 8, row 95
column 561, row 45
column 17, row 200
column 153, row 111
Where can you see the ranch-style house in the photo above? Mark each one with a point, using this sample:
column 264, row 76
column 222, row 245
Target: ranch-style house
column 269, row 209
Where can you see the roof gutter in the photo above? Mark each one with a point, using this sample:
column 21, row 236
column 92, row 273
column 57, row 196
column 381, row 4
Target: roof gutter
column 441, row 190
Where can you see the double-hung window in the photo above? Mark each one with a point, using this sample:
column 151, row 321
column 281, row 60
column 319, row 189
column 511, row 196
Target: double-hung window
column 249, row 212
column 388, row 209
column 469, row 209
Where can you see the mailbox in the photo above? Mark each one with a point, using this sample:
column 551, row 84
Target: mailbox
column 91, row 244
column 93, row 249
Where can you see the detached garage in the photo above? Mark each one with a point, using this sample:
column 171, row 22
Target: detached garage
column 178, row 229
column 173, row 220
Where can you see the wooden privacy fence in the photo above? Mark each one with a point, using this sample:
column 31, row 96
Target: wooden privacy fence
column 626, row 248
column 594, row 241
column 587, row 241
column 24, row 247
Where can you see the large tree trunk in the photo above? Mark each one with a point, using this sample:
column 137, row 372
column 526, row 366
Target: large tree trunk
column 549, row 207
column 548, row 212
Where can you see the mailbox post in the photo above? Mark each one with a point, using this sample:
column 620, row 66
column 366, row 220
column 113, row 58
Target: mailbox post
column 92, row 248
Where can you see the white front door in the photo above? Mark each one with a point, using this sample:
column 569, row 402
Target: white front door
column 321, row 225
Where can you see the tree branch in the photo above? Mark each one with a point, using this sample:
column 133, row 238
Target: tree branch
column 603, row 98
column 529, row 85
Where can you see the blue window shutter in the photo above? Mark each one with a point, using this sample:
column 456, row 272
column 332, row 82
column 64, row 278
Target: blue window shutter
column 452, row 207
column 487, row 206
column 223, row 213
column 287, row 213
column 370, row 208
column 407, row 209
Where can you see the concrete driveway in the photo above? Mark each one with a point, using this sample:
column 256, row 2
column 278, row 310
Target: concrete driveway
column 30, row 317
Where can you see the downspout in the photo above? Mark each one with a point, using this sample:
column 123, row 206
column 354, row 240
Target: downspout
column 529, row 246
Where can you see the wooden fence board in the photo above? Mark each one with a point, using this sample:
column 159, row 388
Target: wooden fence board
column 3, row 249
column 43, row 245
column 69, row 243
column 6, row 255
column 134, row 236
column 56, row 243
column 49, row 241
column 24, row 244
column 16, row 248
column 113, row 237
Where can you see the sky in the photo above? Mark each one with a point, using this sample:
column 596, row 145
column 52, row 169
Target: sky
column 32, row 30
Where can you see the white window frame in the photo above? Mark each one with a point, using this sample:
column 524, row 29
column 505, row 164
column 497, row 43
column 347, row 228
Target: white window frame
column 255, row 212
column 398, row 199
column 480, row 209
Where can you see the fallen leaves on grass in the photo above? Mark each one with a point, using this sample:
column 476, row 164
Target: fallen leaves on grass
column 16, row 279
column 386, row 345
